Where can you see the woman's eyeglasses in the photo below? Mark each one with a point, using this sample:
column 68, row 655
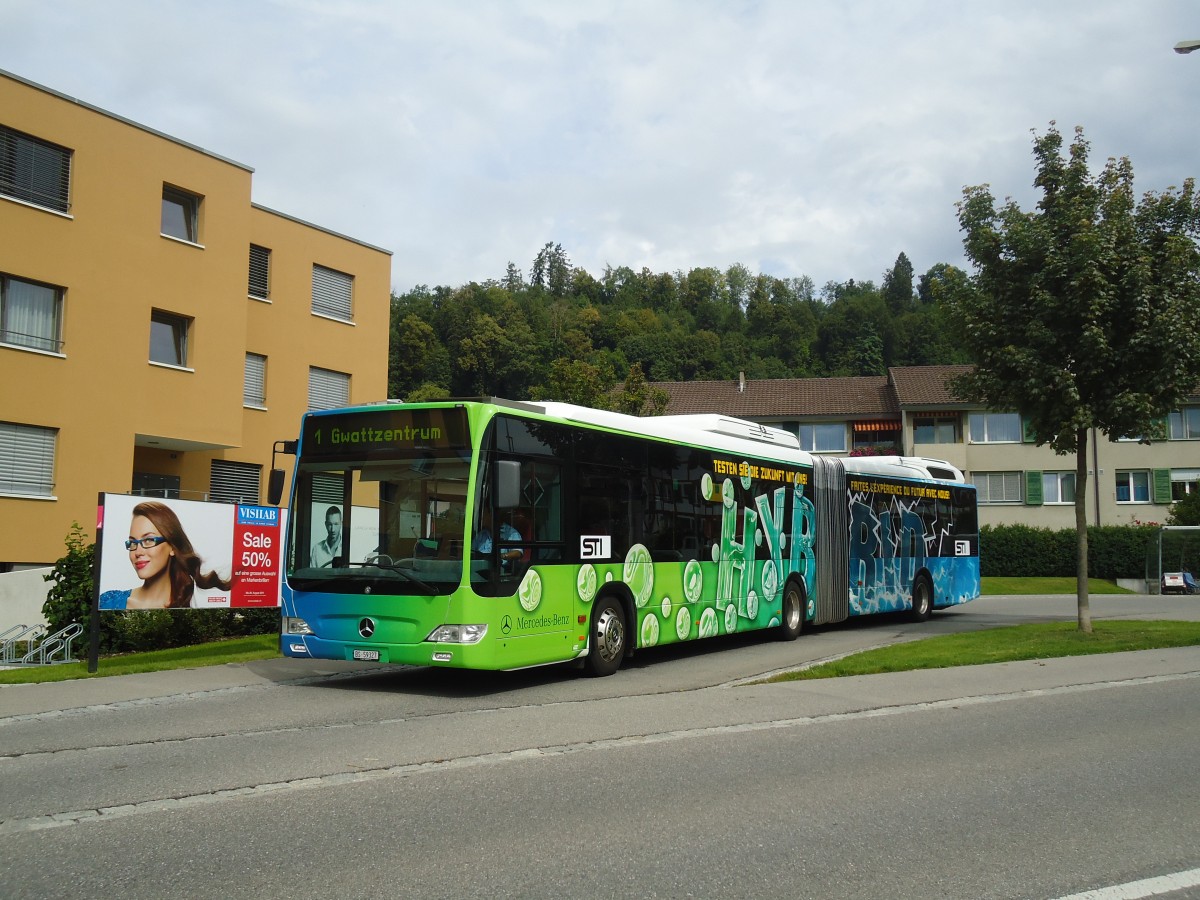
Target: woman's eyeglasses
column 146, row 543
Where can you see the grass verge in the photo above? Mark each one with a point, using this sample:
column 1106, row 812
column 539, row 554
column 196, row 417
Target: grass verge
column 993, row 645
column 1040, row 641
column 218, row 653
column 993, row 587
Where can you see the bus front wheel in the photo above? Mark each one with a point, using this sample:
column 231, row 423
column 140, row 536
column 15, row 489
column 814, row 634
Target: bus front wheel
column 792, row 619
column 922, row 599
column 608, row 635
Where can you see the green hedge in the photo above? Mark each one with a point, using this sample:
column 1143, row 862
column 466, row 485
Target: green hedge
column 1019, row 551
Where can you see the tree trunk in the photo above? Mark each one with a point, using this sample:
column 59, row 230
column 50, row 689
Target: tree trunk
column 1081, row 533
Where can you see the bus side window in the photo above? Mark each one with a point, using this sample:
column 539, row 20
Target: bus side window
column 604, row 504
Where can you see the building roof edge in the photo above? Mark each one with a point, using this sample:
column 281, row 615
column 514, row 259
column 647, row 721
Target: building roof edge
column 330, row 231
column 111, row 115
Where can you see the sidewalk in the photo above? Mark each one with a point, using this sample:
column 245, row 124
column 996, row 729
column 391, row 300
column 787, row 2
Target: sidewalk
column 26, row 699
column 807, row 697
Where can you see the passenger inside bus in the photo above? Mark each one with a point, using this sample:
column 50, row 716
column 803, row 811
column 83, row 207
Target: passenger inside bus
column 482, row 543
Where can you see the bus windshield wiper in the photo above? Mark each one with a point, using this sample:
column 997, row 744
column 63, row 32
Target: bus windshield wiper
column 383, row 561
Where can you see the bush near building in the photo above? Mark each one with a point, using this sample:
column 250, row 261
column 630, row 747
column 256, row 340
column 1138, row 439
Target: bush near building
column 1114, row 551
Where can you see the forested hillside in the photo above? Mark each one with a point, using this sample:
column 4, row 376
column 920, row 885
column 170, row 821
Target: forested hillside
column 563, row 334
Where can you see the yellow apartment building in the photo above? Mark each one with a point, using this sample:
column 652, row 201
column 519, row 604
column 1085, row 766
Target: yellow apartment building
column 159, row 331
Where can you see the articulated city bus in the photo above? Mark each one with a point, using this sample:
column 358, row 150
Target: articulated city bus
column 498, row 535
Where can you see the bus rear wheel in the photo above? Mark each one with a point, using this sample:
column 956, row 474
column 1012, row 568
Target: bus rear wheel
column 922, row 599
column 792, row 618
column 606, row 648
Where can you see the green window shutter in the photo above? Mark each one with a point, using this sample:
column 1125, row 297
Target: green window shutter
column 1033, row 489
column 1162, row 485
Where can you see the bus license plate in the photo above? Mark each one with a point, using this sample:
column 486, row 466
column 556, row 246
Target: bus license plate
column 367, row 654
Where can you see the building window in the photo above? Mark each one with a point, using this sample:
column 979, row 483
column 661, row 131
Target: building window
column 1133, row 487
column 27, row 460
column 30, row 314
column 254, row 388
column 180, row 214
column 260, row 272
column 823, row 437
column 234, row 482
column 169, row 338
column 998, row 487
column 935, row 430
column 35, row 171
column 327, row 389
column 995, row 428
column 332, row 293
column 1058, row 487
column 1184, row 482
column 1184, row 424
column 154, row 484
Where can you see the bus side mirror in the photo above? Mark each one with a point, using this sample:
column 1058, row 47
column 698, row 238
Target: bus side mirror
column 275, row 480
column 275, row 487
column 508, row 483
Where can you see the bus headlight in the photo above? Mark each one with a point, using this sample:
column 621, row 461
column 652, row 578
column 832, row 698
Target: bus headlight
column 292, row 625
column 457, row 634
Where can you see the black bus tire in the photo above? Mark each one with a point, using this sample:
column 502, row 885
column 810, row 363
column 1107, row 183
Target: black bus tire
column 791, row 620
column 922, row 599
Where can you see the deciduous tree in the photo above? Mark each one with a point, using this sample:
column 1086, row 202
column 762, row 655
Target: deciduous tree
column 1084, row 314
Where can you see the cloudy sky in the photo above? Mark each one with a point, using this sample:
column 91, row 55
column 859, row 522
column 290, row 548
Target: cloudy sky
column 793, row 136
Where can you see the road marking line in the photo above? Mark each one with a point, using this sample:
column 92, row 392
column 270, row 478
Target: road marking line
column 1147, row 887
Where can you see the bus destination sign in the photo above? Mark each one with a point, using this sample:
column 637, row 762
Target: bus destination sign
column 369, row 433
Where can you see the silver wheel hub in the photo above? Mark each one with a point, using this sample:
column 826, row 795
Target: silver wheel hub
column 610, row 635
column 791, row 610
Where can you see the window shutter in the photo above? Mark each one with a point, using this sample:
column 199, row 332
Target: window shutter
column 1162, row 485
column 327, row 488
column 34, row 171
column 27, row 459
column 260, row 272
column 327, row 389
column 332, row 292
column 234, row 482
column 1033, row 489
column 254, row 388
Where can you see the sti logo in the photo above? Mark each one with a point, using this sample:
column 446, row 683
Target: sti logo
column 962, row 548
column 595, row 546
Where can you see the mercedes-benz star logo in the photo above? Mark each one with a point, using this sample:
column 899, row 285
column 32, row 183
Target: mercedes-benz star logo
column 366, row 627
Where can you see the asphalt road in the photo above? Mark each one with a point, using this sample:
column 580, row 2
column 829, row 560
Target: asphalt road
column 674, row 778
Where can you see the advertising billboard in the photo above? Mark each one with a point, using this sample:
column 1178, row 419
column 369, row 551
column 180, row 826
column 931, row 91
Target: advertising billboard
column 184, row 554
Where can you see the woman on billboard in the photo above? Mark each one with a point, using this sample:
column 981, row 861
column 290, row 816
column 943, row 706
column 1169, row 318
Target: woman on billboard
column 164, row 560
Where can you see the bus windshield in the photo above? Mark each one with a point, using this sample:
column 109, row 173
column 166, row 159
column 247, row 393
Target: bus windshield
column 381, row 507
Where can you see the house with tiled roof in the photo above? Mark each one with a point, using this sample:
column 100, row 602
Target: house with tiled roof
column 913, row 411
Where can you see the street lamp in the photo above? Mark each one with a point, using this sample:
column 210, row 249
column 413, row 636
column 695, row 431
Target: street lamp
column 1187, row 46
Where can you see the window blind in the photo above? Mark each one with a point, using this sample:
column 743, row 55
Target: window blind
column 327, row 389
column 27, row 459
column 260, row 272
column 332, row 292
column 233, row 482
column 34, row 171
column 254, row 389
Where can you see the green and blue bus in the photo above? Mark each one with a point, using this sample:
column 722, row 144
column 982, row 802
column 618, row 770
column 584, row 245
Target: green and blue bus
column 494, row 534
